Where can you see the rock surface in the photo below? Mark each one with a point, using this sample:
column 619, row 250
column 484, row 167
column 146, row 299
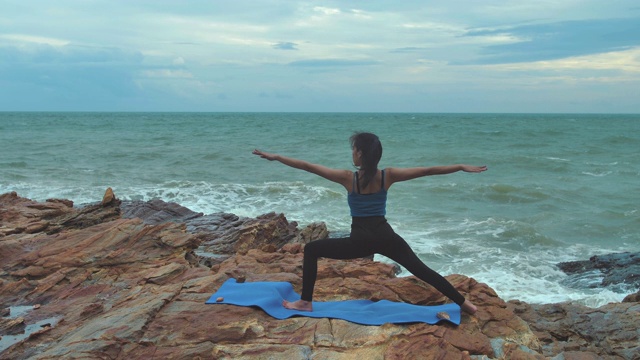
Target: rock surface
column 611, row 329
column 610, row 269
column 127, row 280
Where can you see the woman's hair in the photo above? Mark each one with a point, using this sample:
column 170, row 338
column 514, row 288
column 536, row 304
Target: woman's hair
column 371, row 148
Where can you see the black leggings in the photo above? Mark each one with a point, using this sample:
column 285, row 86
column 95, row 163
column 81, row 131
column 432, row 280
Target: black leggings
column 371, row 235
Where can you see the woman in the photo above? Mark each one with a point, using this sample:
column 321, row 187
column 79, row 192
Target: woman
column 370, row 232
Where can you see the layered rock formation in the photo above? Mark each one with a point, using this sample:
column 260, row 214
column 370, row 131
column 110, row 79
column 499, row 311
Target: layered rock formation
column 129, row 280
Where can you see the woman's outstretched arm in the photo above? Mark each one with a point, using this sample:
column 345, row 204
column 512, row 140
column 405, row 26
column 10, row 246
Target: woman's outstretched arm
column 404, row 174
column 343, row 177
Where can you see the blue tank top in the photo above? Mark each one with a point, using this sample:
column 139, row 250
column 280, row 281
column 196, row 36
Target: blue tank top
column 363, row 205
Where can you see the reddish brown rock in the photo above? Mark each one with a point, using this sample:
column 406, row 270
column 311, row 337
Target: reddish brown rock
column 632, row 297
column 122, row 288
column 156, row 211
column 11, row 326
column 19, row 215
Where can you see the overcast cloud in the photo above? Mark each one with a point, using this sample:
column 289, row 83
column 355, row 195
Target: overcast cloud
column 283, row 55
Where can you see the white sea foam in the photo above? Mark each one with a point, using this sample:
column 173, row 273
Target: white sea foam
column 597, row 174
column 513, row 269
column 557, row 159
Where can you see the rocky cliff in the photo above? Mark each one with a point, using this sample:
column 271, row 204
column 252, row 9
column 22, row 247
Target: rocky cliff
column 120, row 280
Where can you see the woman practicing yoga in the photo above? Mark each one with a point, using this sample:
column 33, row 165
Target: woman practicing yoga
column 370, row 232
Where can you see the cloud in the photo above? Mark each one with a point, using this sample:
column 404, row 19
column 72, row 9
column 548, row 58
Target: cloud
column 326, row 10
column 23, row 38
column 158, row 55
column 408, row 49
column 331, row 63
column 67, row 76
column 285, row 46
column 68, row 56
column 558, row 40
column 167, row 73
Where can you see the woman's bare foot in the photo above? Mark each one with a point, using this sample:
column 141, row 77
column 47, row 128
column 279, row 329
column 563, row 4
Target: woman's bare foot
column 298, row 305
column 468, row 307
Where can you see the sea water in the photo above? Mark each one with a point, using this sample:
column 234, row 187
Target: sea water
column 559, row 187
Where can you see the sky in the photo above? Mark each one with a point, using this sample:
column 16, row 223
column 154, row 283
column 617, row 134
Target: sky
column 495, row 56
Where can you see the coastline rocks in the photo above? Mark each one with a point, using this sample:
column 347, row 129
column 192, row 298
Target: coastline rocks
column 632, row 297
column 223, row 233
column 11, row 326
column 19, row 215
column 610, row 330
column 604, row 270
column 156, row 211
column 115, row 287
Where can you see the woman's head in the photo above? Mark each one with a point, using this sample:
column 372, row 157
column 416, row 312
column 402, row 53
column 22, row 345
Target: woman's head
column 367, row 151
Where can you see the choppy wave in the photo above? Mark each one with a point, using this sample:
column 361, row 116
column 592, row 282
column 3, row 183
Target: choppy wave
column 518, row 263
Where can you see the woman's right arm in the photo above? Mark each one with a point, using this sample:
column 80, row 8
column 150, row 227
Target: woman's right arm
column 342, row 177
column 404, row 174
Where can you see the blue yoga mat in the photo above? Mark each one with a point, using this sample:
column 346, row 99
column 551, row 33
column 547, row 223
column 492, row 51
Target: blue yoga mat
column 269, row 295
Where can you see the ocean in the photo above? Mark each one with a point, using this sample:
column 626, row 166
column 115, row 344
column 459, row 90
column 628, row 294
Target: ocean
column 560, row 187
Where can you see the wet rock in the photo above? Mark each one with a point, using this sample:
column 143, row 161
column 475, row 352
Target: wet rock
column 10, row 326
column 612, row 269
column 157, row 212
column 214, row 224
column 632, row 297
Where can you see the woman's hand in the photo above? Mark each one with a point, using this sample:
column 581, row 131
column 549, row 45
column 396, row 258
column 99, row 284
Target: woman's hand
column 474, row 169
column 265, row 155
column 342, row 177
